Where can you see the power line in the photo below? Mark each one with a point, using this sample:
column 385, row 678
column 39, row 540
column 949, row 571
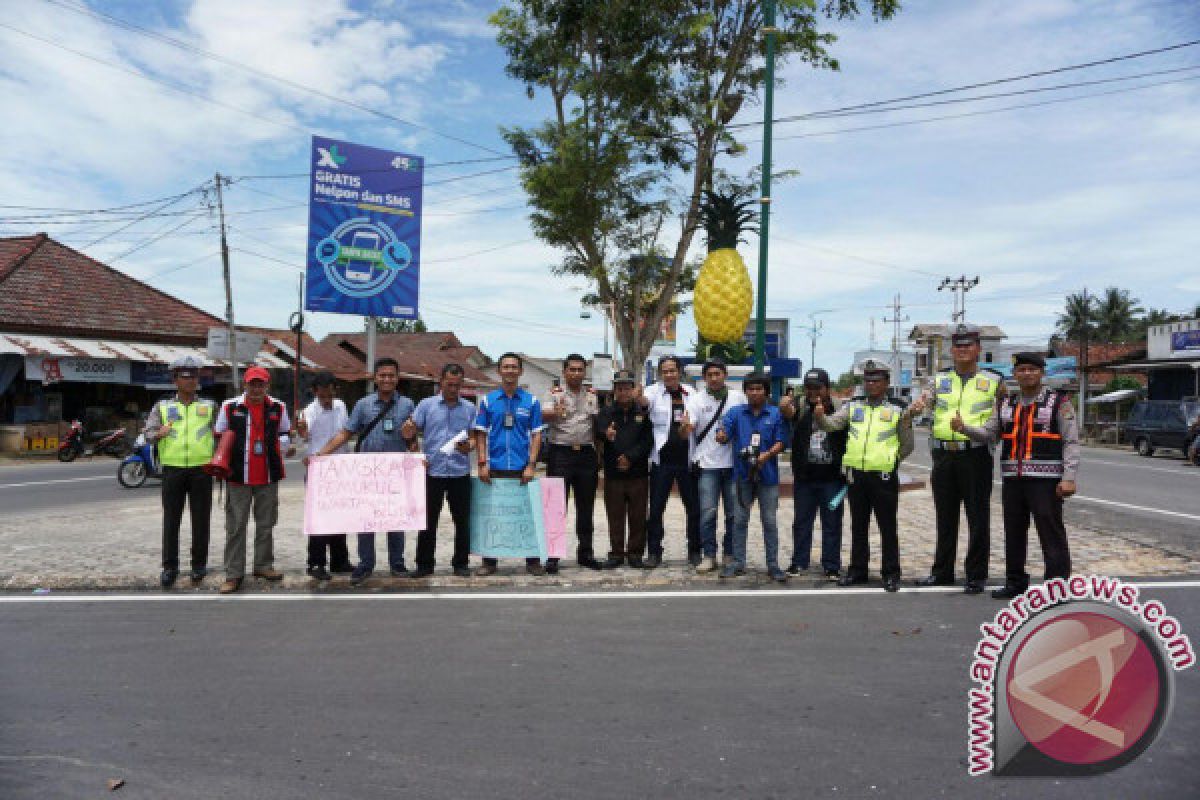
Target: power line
column 183, row 90
column 147, row 215
column 112, row 20
column 154, row 238
column 185, row 265
column 477, row 252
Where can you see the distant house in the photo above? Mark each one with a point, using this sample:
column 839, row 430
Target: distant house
column 932, row 344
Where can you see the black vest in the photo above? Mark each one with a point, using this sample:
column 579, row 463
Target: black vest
column 1032, row 442
column 238, row 416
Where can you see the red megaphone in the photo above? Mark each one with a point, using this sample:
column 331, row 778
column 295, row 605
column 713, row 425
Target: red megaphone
column 218, row 467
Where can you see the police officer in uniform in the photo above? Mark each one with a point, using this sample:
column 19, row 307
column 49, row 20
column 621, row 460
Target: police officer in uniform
column 878, row 437
column 182, row 428
column 962, row 469
column 1039, row 462
column 570, row 414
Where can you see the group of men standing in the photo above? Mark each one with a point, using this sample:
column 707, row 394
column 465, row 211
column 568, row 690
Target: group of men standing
column 717, row 445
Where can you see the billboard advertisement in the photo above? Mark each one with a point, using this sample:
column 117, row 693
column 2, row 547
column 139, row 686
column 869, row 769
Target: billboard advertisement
column 364, row 230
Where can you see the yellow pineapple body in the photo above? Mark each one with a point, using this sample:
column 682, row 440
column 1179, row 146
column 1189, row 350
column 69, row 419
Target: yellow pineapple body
column 724, row 298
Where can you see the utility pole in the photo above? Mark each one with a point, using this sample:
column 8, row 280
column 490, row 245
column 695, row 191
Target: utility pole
column 233, row 366
column 760, row 323
column 896, row 321
column 296, row 323
column 1082, row 366
column 814, row 332
column 959, row 286
column 872, row 339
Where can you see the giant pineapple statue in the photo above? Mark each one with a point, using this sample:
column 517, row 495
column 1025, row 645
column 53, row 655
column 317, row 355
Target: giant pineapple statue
column 723, row 296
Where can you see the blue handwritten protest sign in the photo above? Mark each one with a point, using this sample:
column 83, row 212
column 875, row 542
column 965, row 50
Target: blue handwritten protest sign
column 507, row 519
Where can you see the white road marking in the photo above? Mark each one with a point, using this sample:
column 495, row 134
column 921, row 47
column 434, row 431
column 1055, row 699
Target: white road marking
column 1087, row 499
column 58, row 480
column 1182, row 470
column 548, row 595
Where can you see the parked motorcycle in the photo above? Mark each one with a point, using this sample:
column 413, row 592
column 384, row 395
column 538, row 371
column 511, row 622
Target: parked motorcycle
column 139, row 465
column 108, row 443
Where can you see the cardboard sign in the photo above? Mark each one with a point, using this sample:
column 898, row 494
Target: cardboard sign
column 364, row 493
column 509, row 520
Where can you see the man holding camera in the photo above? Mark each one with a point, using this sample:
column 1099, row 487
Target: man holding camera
column 757, row 433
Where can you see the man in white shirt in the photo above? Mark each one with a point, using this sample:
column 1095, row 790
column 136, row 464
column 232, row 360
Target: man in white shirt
column 713, row 460
column 323, row 419
column 670, row 460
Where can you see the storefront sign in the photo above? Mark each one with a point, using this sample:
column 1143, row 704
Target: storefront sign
column 54, row 369
column 1185, row 341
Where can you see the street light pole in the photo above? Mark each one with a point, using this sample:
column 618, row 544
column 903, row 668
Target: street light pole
column 760, row 322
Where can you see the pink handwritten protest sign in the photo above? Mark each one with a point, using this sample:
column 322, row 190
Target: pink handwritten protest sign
column 364, row 492
column 554, row 515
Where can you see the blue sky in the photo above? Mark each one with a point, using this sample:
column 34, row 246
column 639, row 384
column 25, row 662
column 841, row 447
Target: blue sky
column 1037, row 201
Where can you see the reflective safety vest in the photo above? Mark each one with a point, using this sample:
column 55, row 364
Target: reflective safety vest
column 974, row 399
column 872, row 437
column 1032, row 441
column 190, row 441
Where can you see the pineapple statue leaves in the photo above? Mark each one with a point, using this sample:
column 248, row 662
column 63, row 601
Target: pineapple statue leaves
column 724, row 297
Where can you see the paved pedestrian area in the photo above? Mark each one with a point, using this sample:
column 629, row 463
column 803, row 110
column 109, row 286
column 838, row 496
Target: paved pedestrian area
column 116, row 545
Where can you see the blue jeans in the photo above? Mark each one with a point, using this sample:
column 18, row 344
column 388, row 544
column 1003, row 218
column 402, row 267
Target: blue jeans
column 661, row 478
column 768, row 505
column 366, row 550
column 716, row 485
column 811, row 498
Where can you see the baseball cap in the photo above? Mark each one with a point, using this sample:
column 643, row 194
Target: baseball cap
column 816, row 377
column 257, row 374
column 1029, row 358
column 624, row 376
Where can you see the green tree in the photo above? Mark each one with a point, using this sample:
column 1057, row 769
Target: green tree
column 388, row 325
column 642, row 94
column 1159, row 316
column 1079, row 316
column 847, row 380
column 1118, row 316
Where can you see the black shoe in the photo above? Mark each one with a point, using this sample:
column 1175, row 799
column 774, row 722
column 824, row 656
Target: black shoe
column 851, row 580
column 400, row 571
column 653, row 561
column 343, row 569
column 590, row 563
column 359, row 576
column 796, row 570
column 421, row 572
column 973, row 587
column 168, row 577
column 891, row 584
column 636, row 562
column 462, row 572
column 831, row 574
column 537, row 569
column 612, row 562
column 551, row 566
column 1007, row 592
column 320, row 573
column 198, row 574
column 934, row 580
column 694, row 558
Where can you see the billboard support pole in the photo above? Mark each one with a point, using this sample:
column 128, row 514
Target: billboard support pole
column 371, row 353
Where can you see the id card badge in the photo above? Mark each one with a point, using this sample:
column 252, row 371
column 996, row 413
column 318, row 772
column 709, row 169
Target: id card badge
column 258, row 447
column 676, row 414
column 509, row 420
column 755, row 439
column 389, row 425
column 173, row 414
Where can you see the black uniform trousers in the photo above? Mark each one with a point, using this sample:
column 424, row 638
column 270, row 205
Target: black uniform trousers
column 580, row 473
column 962, row 478
column 1023, row 498
column 508, row 473
column 869, row 493
column 190, row 486
column 339, row 553
column 458, row 492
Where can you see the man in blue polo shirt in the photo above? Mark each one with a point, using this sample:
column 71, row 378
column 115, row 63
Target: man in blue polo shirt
column 445, row 420
column 757, row 433
column 508, row 435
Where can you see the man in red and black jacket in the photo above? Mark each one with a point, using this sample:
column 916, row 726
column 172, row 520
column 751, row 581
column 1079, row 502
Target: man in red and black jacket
column 260, row 427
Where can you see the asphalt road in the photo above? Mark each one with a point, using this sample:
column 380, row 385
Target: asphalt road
column 771, row 695
column 1157, row 499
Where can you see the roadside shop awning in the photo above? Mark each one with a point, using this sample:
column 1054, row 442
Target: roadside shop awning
column 23, row 344
column 1113, row 397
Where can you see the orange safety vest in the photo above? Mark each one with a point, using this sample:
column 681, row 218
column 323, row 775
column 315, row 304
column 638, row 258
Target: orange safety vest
column 1032, row 444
